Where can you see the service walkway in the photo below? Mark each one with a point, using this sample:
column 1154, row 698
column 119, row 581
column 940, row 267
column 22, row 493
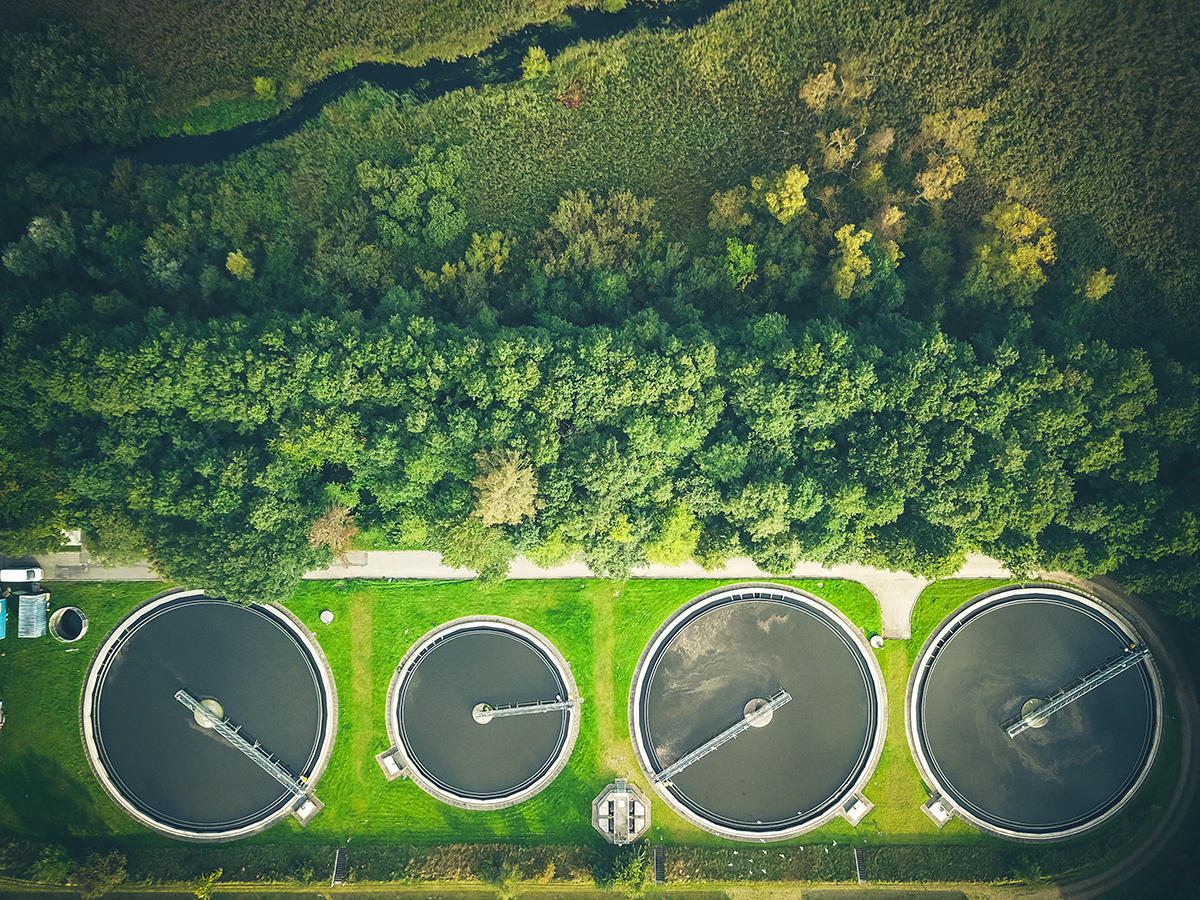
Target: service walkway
column 896, row 592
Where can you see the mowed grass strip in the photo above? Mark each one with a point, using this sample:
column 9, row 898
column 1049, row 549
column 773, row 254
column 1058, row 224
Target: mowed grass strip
column 359, row 800
column 896, row 788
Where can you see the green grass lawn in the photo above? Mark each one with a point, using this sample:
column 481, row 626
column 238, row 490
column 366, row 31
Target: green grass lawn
column 374, row 625
column 48, row 793
column 41, row 756
column 47, row 789
column 896, row 788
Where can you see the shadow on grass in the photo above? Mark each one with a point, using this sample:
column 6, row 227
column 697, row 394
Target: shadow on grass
column 44, row 797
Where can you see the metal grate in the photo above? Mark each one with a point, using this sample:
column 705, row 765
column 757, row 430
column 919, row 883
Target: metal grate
column 341, row 866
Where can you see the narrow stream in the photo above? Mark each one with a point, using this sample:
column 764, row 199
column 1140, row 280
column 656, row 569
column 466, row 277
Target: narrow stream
column 499, row 64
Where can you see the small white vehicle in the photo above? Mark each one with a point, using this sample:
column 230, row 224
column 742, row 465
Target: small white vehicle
column 10, row 575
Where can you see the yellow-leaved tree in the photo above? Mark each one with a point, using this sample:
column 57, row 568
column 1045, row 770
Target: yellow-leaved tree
column 850, row 263
column 1098, row 283
column 1009, row 257
column 505, row 488
column 239, row 266
column 785, row 196
column 937, row 182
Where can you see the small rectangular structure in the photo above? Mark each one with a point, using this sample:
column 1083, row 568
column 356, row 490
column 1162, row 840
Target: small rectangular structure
column 390, row 765
column 33, row 614
column 306, row 809
column 660, row 865
column 856, row 808
column 3, row 617
column 341, row 867
column 860, row 865
column 937, row 810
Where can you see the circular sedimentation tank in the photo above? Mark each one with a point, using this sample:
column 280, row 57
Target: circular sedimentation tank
column 1001, row 656
column 68, row 624
column 713, row 664
column 255, row 665
column 443, row 704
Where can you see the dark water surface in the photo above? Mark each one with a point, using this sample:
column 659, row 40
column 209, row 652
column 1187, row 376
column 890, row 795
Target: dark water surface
column 446, row 743
column 70, row 625
column 791, row 769
column 498, row 64
column 1086, row 756
column 163, row 761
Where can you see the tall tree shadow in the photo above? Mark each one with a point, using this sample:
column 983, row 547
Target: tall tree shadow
column 48, row 801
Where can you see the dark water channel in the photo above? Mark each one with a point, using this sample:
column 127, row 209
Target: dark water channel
column 445, row 742
column 1075, row 767
column 815, row 746
column 498, row 64
column 169, row 766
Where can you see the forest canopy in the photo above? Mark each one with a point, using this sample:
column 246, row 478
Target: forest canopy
column 749, row 288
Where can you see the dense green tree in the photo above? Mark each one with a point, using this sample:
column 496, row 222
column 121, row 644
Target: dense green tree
column 937, row 390
column 419, row 203
column 60, row 86
column 33, row 501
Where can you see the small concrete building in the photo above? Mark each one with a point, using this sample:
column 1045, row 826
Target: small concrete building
column 621, row 813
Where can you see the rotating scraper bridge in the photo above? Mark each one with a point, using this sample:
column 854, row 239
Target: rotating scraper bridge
column 755, row 718
column 485, row 712
column 1054, row 658
column 255, row 752
column 1072, row 691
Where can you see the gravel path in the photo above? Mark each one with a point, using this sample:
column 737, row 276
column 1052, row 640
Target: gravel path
column 896, row 592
